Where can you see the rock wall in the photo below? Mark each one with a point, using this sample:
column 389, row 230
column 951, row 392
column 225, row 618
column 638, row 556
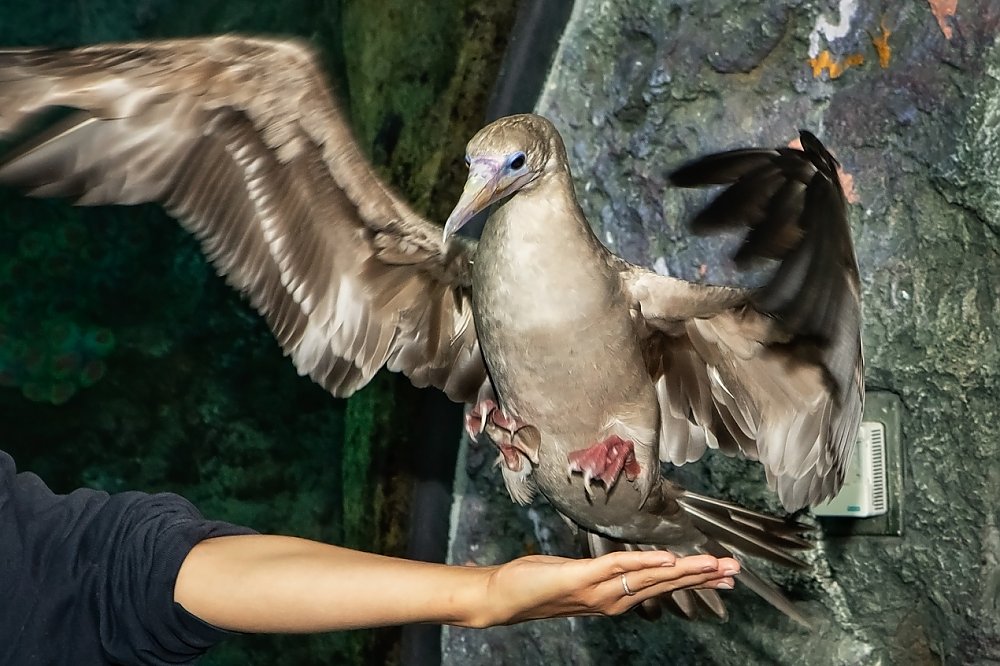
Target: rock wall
column 908, row 97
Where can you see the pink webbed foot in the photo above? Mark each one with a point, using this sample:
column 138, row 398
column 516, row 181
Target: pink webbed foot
column 510, row 456
column 515, row 439
column 604, row 462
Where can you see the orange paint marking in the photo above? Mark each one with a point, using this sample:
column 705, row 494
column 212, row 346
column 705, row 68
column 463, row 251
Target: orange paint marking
column 833, row 68
column 881, row 44
column 943, row 11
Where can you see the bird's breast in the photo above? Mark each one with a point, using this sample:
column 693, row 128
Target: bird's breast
column 556, row 331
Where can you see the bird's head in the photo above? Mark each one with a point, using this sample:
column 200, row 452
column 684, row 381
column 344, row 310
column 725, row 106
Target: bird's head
column 507, row 156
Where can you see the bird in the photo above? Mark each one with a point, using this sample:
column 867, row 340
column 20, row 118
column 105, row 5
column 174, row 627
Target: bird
column 587, row 372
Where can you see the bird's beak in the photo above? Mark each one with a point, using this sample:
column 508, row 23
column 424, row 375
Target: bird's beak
column 486, row 183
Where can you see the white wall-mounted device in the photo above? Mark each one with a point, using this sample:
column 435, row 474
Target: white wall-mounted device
column 864, row 493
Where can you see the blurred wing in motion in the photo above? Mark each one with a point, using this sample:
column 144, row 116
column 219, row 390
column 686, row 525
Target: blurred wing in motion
column 774, row 374
column 241, row 140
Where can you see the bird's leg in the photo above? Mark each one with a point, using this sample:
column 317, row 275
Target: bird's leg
column 604, row 462
column 514, row 438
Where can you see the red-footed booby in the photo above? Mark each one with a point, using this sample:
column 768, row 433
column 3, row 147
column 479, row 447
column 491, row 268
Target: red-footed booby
column 586, row 371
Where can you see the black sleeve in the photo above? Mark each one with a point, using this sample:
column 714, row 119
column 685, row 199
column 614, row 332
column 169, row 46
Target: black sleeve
column 88, row 578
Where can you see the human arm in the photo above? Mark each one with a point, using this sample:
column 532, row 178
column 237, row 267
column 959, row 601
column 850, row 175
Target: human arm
column 261, row 583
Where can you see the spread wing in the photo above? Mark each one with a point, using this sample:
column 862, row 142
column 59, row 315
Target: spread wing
column 241, row 140
column 774, row 374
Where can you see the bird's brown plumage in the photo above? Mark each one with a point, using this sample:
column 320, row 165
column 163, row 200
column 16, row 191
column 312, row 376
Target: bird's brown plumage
column 588, row 348
column 774, row 374
column 241, row 140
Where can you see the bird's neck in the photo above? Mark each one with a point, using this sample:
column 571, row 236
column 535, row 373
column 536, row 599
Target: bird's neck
column 539, row 259
column 542, row 220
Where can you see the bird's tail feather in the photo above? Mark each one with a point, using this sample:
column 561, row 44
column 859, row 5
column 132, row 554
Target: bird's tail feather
column 732, row 530
column 743, row 530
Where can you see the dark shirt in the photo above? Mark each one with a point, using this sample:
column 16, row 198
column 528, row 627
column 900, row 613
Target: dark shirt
column 88, row 578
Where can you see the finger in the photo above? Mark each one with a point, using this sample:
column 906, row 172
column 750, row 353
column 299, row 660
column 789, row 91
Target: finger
column 705, row 581
column 707, row 564
column 698, row 568
column 724, row 583
column 609, row 568
column 693, row 564
column 620, row 562
column 619, row 602
column 729, row 566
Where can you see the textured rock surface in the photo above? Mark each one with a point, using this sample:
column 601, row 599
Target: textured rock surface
column 639, row 86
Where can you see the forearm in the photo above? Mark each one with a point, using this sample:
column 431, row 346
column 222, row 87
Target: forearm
column 281, row 584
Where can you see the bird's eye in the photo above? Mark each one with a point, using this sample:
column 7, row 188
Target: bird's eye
column 468, row 161
column 517, row 161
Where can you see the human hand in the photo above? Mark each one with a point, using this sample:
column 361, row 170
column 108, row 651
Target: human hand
column 541, row 586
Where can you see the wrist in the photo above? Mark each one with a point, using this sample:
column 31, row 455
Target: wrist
column 481, row 601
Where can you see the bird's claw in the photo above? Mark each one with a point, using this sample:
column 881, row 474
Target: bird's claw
column 516, row 439
column 587, row 488
column 486, row 412
column 604, row 462
column 588, row 477
column 478, row 417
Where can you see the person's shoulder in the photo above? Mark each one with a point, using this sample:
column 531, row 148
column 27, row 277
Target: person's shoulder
column 8, row 469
